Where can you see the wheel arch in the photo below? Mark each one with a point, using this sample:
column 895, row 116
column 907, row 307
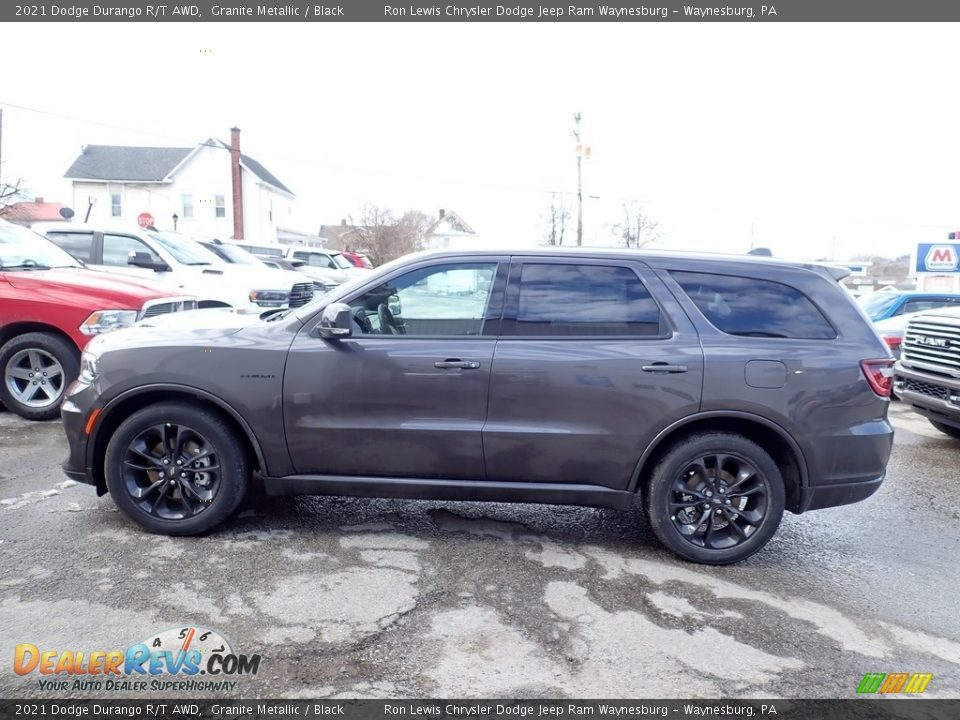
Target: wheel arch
column 121, row 407
column 15, row 329
column 772, row 437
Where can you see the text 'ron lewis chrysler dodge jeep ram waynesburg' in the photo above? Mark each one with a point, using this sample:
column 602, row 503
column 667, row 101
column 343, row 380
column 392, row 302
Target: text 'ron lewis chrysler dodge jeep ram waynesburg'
column 721, row 390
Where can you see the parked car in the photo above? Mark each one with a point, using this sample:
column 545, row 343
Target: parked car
column 887, row 304
column 361, row 260
column 331, row 261
column 50, row 307
column 181, row 263
column 892, row 329
column 323, row 281
column 720, row 390
column 235, row 255
column 928, row 372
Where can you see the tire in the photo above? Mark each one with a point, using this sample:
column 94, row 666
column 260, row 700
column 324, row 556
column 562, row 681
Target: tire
column 27, row 358
column 686, row 475
column 152, row 489
column 946, row 429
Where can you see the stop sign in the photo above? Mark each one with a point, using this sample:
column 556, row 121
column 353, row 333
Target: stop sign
column 144, row 219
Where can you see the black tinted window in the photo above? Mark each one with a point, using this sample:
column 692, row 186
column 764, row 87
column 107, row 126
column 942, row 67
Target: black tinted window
column 584, row 300
column 77, row 244
column 754, row 307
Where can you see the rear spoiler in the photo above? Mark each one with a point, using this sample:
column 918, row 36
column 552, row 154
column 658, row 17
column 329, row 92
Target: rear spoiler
column 837, row 273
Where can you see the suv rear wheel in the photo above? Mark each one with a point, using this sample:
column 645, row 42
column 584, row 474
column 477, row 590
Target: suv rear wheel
column 715, row 498
column 36, row 369
column 176, row 469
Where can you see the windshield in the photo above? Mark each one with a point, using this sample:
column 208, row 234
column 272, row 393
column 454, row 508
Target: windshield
column 185, row 250
column 235, row 254
column 877, row 304
column 21, row 249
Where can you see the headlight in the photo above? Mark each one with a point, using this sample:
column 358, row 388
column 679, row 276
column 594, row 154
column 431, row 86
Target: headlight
column 103, row 321
column 270, row 298
column 89, row 367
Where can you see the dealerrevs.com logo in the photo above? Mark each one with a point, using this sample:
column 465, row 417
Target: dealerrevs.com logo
column 186, row 658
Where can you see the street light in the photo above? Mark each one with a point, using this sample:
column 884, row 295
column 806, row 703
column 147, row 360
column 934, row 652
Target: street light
column 175, row 218
column 91, row 200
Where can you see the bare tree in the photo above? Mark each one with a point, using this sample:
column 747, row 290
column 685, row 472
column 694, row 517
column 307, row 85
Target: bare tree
column 636, row 229
column 384, row 237
column 556, row 218
column 10, row 194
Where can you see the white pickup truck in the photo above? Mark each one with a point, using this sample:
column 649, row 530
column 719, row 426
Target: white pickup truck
column 180, row 262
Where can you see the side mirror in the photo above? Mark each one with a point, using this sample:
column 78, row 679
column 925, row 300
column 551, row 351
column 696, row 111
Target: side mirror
column 336, row 322
column 143, row 260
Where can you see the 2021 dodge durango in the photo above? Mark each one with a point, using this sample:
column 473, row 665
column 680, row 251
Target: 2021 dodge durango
column 722, row 391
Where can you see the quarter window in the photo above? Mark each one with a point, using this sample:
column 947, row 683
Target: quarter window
column 577, row 300
column 447, row 299
column 78, row 244
column 754, row 308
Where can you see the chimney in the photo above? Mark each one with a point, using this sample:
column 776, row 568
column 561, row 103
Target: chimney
column 237, row 183
column 442, row 213
column 38, row 200
column 343, row 222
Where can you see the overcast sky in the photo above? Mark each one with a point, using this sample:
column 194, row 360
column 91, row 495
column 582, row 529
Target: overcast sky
column 813, row 140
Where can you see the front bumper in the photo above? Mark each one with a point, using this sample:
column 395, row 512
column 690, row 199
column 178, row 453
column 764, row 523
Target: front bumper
column 75, row 417
column 936, row 397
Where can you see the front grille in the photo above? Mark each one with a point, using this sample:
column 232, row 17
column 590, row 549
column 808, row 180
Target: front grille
column 934, row 391
column 152, row 308
column 301, row 294
column 933, row 345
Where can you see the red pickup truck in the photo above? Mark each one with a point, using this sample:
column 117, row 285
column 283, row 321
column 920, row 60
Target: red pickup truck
column 50, row 307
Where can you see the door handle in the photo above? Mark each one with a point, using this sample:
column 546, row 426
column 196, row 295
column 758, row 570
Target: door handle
column 452, row 363
column 661, row 368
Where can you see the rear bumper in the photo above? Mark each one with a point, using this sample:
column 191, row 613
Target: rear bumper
column 848, row 466
column 824, row 496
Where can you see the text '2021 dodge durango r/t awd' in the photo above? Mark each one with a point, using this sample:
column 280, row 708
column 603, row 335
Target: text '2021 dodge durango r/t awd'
column 721, row 390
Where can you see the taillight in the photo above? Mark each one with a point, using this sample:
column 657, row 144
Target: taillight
column 879, row 374
column 892, row 342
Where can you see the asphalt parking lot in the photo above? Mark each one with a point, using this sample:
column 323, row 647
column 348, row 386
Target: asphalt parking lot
column 355, row 597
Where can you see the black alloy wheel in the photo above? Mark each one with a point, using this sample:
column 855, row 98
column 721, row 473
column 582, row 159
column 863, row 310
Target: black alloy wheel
column 176, row 468
column 715, row 498
column 719, row 501
column 171, row 471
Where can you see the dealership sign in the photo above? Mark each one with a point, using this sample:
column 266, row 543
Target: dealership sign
column 938, row 257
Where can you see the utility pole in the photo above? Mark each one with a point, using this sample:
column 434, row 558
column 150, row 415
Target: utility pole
column 582, row 152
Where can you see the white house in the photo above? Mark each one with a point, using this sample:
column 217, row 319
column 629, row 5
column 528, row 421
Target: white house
column 450, row 231
column 210, row 190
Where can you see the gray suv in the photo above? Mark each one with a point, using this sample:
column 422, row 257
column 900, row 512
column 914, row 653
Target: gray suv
column 720, row 390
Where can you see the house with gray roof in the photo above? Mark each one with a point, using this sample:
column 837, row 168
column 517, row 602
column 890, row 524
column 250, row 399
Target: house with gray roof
column 211, row 190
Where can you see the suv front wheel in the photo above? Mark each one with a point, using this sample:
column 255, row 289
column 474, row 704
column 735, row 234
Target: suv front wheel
column 715, row 498
column 176, row 469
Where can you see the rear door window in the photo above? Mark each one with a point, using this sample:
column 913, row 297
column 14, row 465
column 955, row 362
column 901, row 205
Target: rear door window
column 78, row 244
column 117, row 249
column 573, row 300
column 753, row 307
